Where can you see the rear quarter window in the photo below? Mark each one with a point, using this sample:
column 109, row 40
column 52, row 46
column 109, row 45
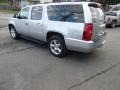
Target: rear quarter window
column 97, row 12
column 66, row 13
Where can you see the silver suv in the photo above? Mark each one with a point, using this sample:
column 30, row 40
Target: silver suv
column 76, row 26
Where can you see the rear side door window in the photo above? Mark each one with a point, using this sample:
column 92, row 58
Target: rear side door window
column 66, row 13
column 36, row 13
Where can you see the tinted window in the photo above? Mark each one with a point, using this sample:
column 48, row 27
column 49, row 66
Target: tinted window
column 24, row 14
column 116, row 8
column 111, row 13
column 66, row 13
column 36, row 13
column 97, row 12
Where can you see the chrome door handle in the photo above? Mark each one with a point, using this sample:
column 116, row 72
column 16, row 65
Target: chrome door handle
column 39, row 23
column 26, row 24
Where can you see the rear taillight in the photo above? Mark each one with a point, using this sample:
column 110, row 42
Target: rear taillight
column 109, row 19
column 88, row 31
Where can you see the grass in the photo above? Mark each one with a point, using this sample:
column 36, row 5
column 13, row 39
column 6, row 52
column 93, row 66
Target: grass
column 3, row 1
column 4, row 4
column 8, row 11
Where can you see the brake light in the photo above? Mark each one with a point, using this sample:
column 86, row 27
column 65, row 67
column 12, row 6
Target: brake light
column 88, row 31
column 109, row 19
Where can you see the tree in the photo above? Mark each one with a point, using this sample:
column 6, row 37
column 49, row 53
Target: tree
column 14, row 4
column 111, row 2
column 107, row 2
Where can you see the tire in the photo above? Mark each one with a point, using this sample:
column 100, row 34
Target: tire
column 106, row 25
column 56, row 45
column 13, row 32
column 113, row 25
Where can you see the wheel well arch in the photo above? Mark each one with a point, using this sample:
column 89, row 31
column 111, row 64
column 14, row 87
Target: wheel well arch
column 52, row 33
column 115, row 20
column 9, row 25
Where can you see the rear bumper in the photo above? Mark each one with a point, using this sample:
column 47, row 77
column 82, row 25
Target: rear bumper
column 85, row 46
column 108, row 22
column 109, row 19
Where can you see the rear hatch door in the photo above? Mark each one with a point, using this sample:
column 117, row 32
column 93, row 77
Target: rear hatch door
column 98, row 19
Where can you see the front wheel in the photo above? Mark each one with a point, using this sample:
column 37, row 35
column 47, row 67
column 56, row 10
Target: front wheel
column 13, row 32
column 57, row 46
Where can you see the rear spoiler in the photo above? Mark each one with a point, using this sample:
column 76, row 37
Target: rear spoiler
column 95, row 5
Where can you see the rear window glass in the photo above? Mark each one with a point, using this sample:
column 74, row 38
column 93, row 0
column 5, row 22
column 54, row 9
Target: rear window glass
column 117, row 8
column 36, row 13
column 97, row 13
column 66, row 13
column 111, row 14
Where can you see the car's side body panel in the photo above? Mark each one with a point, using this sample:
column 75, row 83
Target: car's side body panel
column 71, row 31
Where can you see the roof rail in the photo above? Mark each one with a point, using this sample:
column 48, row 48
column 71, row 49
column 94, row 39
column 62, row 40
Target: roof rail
column 46, row 2
column 59, row 2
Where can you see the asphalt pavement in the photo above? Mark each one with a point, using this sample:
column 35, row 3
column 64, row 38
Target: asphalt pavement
column 26, row 65
column 4, row 18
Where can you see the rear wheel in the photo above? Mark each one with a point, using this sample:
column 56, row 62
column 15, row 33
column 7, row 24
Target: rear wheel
column 13, row 32
column 57, row 46
column 113, row 24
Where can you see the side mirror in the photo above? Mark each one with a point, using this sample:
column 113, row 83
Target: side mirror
column 19, row 17
column 15, row 15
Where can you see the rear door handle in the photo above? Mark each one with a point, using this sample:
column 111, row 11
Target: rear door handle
column 39, row 23
column 26, row 24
